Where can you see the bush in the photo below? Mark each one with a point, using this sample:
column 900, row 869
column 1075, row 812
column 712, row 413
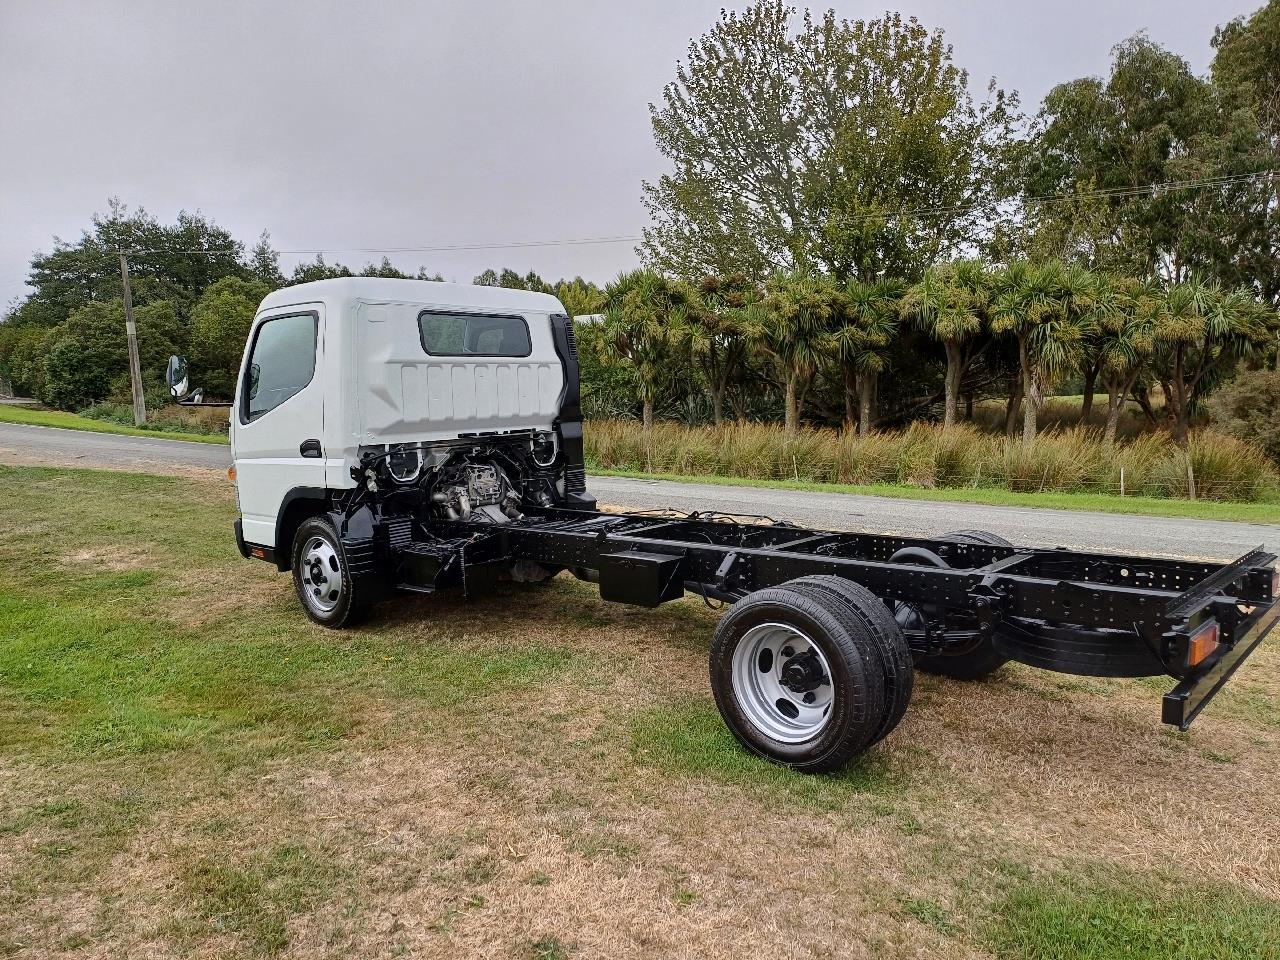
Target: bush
column 166, row 418
column 929, row 456
column 1247, row 408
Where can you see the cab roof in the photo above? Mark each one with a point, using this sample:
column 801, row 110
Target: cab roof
column 383, row 289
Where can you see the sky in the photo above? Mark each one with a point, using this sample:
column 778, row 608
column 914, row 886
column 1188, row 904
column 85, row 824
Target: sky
column 401, row 124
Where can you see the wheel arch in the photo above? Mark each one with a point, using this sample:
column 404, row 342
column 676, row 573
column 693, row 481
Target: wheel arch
column 298, row 504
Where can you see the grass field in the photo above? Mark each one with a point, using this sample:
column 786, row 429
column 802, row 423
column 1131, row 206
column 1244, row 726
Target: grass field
column 188, row 768
column 72, row 421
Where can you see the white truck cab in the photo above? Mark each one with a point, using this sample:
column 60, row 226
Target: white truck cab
column 371, row 383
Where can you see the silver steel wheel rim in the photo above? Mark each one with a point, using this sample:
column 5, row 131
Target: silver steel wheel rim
column 760, row 664
column 321, row 575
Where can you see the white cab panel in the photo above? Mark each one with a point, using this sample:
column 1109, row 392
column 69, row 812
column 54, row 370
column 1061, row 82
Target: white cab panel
column 407, row 394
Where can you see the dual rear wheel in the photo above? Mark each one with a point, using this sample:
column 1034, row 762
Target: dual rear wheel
column 811, row 673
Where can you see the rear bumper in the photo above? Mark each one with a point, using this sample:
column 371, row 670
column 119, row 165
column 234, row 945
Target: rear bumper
column 1184, row 702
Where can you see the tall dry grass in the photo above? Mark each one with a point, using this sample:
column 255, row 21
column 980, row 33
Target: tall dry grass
column 930, row 456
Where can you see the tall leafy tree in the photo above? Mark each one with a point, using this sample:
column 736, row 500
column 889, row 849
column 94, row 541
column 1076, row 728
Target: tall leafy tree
column 318, row 269
column 264, row 262
column 869, row 317
column 1047, row 309
column 85, row 357
column 1246, row 76
column 645, row 315
column 579, row 297
column 796, row 333
column 1201, row 331
column 1150, row 122
column 173, row 262
column 721, row 329
column 798, row 145
column 951, row 303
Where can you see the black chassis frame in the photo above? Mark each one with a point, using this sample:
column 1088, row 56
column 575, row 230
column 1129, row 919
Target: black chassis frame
column 1085, row 613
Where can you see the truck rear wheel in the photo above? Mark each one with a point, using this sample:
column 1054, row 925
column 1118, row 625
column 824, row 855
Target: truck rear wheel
column 798, row 679
column 322, row 576
column 895, row 656
column 982, row 659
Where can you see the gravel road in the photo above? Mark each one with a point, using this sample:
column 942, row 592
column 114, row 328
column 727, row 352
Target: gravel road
column 1205, row 539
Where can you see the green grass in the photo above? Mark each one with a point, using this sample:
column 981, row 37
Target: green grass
column 91, row 665
column 1136, row 917
column 1091, row 502
column 72, row 421
column 256, row 897
column 688, row 738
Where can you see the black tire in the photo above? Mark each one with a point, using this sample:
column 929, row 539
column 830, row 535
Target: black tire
column 983, row 659
column 856, row 680
column 890, row 645
column 348, row 598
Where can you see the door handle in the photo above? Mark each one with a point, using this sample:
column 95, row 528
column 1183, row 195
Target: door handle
column 310, row 448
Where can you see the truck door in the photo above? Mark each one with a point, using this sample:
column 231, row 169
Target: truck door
column 276, row 443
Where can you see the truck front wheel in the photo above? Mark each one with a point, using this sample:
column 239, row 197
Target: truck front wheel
column 322, row 577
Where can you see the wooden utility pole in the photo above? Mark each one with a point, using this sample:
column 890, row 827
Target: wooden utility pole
column 131, row 330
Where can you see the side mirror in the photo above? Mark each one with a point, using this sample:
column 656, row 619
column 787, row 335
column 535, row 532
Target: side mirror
column 176, row 377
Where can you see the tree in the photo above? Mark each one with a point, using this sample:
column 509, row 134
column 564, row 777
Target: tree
column 1152, row 122
column 644, row 317
column 1201, row 331
column 721, row 332
column 1047, row 309
column 318, row 269
column 86, row 356
column 1246, row 408
column 1122, row 339
column 1246, row 74
column 950, row 303
column 869, row 314
column 173, row 263
column 796, row 333
column 220, row 323
column 797, row 151
column 385, row 269
column 579, row 297
column 264, row 263
column 512, row 280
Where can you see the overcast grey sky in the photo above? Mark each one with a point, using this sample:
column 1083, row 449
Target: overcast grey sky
column 403, row 124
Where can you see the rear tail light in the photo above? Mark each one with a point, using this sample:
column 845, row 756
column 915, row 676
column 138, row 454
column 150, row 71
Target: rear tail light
column 1203, row 642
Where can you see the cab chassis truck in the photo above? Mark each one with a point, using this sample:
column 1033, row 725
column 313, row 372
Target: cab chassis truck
column 401, row 435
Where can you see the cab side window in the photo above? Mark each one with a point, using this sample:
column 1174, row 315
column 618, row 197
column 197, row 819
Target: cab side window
column 281, row 363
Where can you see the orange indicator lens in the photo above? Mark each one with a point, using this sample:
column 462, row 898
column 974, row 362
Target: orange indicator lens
column 1202, row 644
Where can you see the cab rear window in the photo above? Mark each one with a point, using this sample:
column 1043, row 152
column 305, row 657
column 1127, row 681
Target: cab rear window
column 473, row 335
